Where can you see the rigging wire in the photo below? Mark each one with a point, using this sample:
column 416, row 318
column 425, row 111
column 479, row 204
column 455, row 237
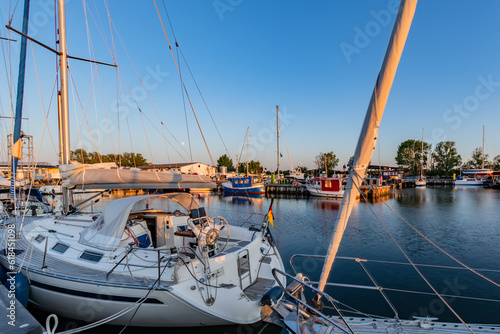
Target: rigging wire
column 147, row 94
column 194, row 80
column 411, row 262
column 185, row 89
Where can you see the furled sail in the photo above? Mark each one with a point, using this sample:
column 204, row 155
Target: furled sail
column 108, row 175
column 369, row 132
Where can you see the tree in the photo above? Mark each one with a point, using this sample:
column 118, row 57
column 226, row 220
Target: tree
column 329, row 159
column 125, row 159
column 224, row 160
column 409, row 155
column 446, row 157
column 476, row 160
column 496, row 162
column 253, row 167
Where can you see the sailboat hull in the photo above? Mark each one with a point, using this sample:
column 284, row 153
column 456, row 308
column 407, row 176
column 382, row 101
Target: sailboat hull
column 92, row 302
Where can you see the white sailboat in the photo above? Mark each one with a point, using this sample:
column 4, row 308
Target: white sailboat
column 153, row 260
column 421, row 181
column 300, row 315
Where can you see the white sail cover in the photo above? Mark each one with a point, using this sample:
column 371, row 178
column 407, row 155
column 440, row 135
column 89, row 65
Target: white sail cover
column 369, row 133
column 6, row 182
column 108, row 175
column 106, row 231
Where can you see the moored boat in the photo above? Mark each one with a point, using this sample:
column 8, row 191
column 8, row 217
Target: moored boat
column 326, row 187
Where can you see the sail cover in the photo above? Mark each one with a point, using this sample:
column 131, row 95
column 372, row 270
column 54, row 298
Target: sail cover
column 107, row 230
column 108, row 175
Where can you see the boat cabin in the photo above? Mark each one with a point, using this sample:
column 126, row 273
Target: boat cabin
column 241, row 182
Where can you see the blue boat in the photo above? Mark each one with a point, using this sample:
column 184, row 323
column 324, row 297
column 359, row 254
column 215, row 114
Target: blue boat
column 243, row 185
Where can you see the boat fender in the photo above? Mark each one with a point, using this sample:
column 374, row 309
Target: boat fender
column 20, row 285
column 271, row 296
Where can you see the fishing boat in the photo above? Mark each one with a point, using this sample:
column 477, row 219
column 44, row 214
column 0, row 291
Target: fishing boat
column 308, row 308
column 152, row 260
column 243, row 185
column 326, row 187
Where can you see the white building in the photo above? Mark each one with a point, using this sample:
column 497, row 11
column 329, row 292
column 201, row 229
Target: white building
column 196, row 168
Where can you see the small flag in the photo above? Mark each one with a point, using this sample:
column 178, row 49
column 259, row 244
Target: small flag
column 17, row 149
column 270, row 216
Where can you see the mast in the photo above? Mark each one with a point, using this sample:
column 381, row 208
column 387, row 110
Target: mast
column 248, row 128
column 63, row 99
column 278, row 141
column 422, row 157
column 369, row 133
column 16, row 136
column 482, row 165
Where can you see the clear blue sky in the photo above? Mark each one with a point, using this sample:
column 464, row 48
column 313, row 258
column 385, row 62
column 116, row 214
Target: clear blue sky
column 317, row 61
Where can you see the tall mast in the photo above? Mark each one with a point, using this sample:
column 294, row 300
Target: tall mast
column 369, row 133
column 16, row 136
column 247, row 149
column 63, row 98
column 482, row 165
column 278, row 141
column 422, row 157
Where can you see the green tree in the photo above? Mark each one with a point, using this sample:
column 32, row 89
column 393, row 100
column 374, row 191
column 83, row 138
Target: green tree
column 126, row 159
column 224, row 160
column 496, row 162
column 253, row 167
column 409, row 155
column 446, row 158
column 330, row 159
column 476, row 160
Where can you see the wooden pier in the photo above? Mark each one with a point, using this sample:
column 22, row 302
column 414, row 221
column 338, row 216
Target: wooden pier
column 440, row 182
column 375, row 192
column 298, row 189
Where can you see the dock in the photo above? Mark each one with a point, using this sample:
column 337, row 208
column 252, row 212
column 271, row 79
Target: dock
column 298, row 189
column 375, row 192
column 16, row 319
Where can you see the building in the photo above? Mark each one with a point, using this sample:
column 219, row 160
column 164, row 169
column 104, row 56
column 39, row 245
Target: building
column 42, row 171
column 196, row 168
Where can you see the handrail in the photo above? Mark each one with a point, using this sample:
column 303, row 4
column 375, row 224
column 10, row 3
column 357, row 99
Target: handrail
column 308, row 307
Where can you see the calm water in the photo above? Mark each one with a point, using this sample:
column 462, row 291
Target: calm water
column 463, row 222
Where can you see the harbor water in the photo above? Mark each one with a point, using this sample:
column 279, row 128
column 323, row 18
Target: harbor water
column 462, row 222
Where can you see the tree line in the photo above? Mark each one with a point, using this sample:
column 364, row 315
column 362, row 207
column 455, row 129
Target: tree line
column 125, row 159
column 444, row 160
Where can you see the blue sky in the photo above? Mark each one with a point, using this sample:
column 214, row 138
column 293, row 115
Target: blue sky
column 317, row 61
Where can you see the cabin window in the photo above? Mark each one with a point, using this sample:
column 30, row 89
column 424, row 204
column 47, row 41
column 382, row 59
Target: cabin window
column 328, row 184
column 39, row 238
column 60, row 248
column 91, row 256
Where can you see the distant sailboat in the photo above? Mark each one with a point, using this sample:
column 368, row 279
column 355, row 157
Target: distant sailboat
column 421, row 181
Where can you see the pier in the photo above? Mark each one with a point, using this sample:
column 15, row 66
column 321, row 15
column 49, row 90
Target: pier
column 298, row 189
column 375, row 192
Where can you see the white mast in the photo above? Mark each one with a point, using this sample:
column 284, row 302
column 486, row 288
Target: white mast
column 278, row 141
column 369, row 132
column 422, row 157
column 248, row 128
column 482, row 165
column 64, row 105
